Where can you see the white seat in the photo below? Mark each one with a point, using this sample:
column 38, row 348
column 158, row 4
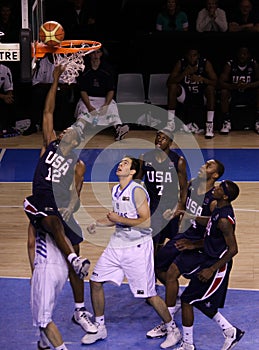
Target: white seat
column 130, row 88
column 157, row 90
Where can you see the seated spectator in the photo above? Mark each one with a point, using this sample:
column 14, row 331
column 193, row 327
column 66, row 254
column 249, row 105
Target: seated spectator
column 9, row 25
column 192, row 83
column 79, row 19
column 41, row 81
column 245, row 18
column 7, row 118
column 239, row 82
column 211, row 18
column 97, row 88
column 171, row 18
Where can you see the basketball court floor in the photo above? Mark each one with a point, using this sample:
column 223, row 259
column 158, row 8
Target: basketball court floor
column 127, row 319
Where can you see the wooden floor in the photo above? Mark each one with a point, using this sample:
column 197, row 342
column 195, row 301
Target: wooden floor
column 96, row 201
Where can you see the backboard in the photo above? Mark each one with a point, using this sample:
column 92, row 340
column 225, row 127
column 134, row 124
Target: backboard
column 32, row 18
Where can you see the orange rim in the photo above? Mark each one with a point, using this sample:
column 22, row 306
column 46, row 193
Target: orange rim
column 39, row 49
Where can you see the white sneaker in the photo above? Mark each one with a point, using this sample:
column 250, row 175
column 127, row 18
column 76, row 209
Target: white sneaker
column 121, row 132
column 185, row 129
column 92, row 338
column 226, row 127
column 257, row 127
column 186, row 346
column 209, row 131
column 232, row 335
column 193, row 127
column 173, row 336
column 81, row 266
column 82, row 317
column 170, row 125
column 157, row 332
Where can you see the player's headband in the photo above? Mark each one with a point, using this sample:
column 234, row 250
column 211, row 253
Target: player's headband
column 225, row 189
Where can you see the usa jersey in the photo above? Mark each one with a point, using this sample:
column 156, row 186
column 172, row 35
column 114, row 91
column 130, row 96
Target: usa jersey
column 196, row 89
column 199, row 205
column 246, row 74
column 214, row 242
column 161, row 179
column 123, row 203
column 54, row 173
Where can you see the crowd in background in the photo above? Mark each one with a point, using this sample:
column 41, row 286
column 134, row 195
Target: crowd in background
column 131, row 30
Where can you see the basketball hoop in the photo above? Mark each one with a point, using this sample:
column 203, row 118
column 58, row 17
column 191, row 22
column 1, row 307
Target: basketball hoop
column 69, row 53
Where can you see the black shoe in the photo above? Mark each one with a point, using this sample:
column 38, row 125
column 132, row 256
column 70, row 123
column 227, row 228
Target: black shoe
column 31, row 130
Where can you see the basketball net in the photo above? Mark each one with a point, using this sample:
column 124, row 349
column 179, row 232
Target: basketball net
column 74, row 63
column 70, row 54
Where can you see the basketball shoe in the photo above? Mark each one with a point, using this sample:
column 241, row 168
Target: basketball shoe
column 81, row 266
column 226, row 127
column 157, row 332
column 209, row 131
column 186, row 346
column 232, row 335
column 160, row 330
column 173, row 336
column 121, row 132
column 82, row 318
column 92, row 338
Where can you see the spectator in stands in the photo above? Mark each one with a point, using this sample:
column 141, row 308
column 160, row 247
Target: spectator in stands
column 41, row 81
column 192, row 82
column 79, row 19
column 171, row 18
column 9, row 25
column 245, row 18
column 7, row 117
column 211, row 18
column 97, row 89
column 239, row 82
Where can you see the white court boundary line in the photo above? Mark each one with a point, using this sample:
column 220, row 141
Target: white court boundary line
column 2, row 153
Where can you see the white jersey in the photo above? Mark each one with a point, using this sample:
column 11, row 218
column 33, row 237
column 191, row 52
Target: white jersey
column 123, row 202
column 47, row 252
column 48, row 278
column 6, row 80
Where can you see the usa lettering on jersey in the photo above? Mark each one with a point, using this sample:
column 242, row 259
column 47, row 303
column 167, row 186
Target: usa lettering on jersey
column 59, row 166
column 159, row 176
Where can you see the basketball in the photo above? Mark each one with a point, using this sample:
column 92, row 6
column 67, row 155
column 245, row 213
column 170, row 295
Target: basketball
column 51, row 33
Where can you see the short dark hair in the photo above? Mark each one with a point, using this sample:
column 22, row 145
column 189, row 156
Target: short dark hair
column 135, row 164
column 220, row 166
column 230, row 189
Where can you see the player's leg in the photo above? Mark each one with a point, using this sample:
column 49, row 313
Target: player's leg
column 54, row 336
column 225, row 110
column 211, row 99
column 81, row 316
column 54, row 226
column 174, row 91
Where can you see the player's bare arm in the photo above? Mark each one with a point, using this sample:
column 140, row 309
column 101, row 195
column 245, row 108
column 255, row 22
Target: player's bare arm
column 183, row 183
column 75, row 191
column 227, row 229
column 49, row 134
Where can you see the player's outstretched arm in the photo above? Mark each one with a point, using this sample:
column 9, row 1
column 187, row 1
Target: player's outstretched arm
column 47, row 124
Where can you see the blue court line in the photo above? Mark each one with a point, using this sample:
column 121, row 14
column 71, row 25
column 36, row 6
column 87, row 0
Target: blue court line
column 127, row 319
column 18, row 165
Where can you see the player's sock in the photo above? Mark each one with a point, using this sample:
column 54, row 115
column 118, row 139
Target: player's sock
column 71, row 256
column 221, row 321
column 100, row 320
